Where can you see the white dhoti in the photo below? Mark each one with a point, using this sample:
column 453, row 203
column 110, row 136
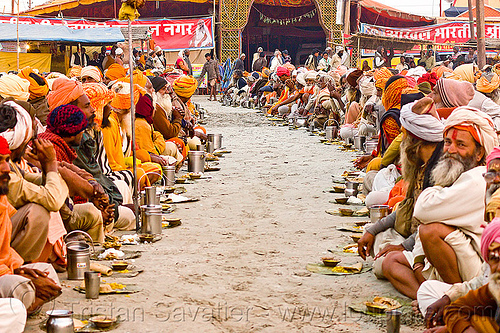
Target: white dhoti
column 388, row 237
column 429, row 292
column 12, row 315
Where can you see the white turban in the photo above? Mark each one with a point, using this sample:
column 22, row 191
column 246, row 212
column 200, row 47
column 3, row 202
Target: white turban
column 14, row 86
column 423, row 126
column 93, row 72
column 311, row 75
column 22, row 131
column 479, row 121
column 367, row 86
column 300, row 79
column 416, row 72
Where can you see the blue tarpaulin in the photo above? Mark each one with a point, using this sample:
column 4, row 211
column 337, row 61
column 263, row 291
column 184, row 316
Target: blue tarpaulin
column 59, row 33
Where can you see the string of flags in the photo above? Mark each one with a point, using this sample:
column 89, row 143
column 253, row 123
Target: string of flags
column 287, row 21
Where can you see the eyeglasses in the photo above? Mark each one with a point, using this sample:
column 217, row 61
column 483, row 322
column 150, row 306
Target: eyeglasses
column 493, row 257
column 490, row 176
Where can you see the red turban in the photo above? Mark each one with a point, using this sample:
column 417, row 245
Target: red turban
column 495, row 153
column 428, row 77
column 145, row 108
column 4, row 146
column 64, row 91
column 280, row 71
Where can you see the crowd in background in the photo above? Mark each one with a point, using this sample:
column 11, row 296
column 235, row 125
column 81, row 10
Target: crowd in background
column 436, row 162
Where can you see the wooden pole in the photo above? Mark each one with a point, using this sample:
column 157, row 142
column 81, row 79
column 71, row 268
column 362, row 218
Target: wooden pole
column 18, row 48
column 471, row 20
column 481, row 41
column 132, row 119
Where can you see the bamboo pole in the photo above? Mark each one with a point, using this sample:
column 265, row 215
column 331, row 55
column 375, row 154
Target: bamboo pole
column 481, row 42
column 132, row 119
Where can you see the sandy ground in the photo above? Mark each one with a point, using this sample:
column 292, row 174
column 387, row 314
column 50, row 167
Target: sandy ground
column 237, row 263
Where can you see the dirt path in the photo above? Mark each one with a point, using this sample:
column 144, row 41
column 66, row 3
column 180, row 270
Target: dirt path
column 237, row 263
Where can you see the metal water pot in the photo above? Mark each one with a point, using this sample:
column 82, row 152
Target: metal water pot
column 377, row 212
column 370, row 146
column 359, row 142
column 330, row 132
column 300, row 122
column 60, row 321
column 151, row 219
column 151, row 196
column 351, row 189
column 169, row 172
column 202, row 114
column 196, row 161
column 216, row 139
column 210, row 147
column 78, row 256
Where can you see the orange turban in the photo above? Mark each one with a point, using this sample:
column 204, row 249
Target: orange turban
column 185, row 86
column 38, row 85
column 180, row 145
column 139, row 78
column 381, row 76
column 486, row 85
column 200, row 128
column 64, row 91
column 391, row 99
column 99, row 96
column 115, row 72
column 121, row 100
column 440, row 70
column 75, row 71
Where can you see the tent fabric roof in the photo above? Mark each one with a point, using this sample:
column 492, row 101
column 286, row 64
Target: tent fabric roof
column 488, row 12
column 389, row 12
column 60, row 33
column 58, row 5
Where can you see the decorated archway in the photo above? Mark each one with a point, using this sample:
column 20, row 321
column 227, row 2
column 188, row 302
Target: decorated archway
column 234, row 17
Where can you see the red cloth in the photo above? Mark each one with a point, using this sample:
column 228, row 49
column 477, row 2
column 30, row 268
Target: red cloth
column 495, row 153
column 428, row 77
column 63, row 151
column 4, row 146
column 145, row 108
column 280, row 71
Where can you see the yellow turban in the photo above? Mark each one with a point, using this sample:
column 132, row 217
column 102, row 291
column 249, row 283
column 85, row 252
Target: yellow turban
column 38, row 85
column 75, row 71
column 185, row 86
column 13, row 86
column 93, row 72
column 464, row 73
column 139, row 78
column 115, row 72
column 381, row 76
column 99, row 96
column 121, row 100
column 486, row 86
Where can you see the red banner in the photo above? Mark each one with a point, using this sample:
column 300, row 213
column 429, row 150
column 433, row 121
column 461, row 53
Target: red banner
column 169, row 34
column 446, row 33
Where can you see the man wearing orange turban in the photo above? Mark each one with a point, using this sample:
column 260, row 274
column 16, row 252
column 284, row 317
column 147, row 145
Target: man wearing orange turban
column 115, row 72
column 64, row 91
column 488, row 82
column 139, row 78
column 185, row 86
column 99, row 96
column 38, row 89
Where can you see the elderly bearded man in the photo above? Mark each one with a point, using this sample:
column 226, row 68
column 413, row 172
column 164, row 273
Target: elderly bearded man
column 451, row 221
column 451, row 212
column 434, row 296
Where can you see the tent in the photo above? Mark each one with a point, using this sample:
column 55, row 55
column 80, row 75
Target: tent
column 60, row 33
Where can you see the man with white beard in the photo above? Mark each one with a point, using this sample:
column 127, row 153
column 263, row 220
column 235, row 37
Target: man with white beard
column 478, row 310
column 451, row 212
column 434, row 296
column 166, row 119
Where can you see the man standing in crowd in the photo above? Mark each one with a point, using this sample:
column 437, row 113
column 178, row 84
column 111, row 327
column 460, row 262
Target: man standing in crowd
column 211, row 67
